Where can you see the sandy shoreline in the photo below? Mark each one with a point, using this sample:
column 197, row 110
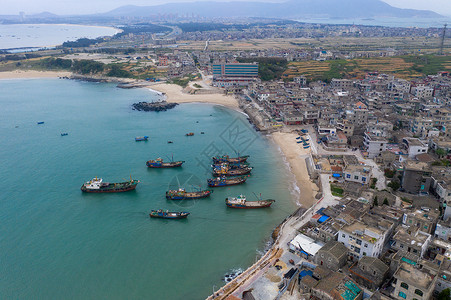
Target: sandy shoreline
column 174, row 93
column 19, row 74
column 295, row 156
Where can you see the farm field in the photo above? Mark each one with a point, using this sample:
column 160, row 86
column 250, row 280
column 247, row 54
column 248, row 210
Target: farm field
column 406, row 67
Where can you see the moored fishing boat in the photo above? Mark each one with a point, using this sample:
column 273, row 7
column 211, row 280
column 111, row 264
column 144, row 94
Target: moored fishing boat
column 168, row 214
column 223, row 181
column 182, row 194
column 64, row 134
column 224, row 170
column 190, row 134
column 141, row 138
column 96, row 185
column 226, row 158
column 158, row 163
column 241, row 202
column 39, row 123
column 231, row 165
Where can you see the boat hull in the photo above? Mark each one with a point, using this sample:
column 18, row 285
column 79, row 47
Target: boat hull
column 111, row 188
column 240, row 159
column 251, row 204
column 234, row 172
column 228, row 182
column 232, row 166
column 188, row 195
column 169, row 215
column 174, row 164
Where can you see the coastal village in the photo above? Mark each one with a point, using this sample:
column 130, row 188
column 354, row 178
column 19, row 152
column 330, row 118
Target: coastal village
column 378, row 149
column 371, row 156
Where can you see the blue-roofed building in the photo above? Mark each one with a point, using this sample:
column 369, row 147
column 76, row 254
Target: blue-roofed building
column 234, row 74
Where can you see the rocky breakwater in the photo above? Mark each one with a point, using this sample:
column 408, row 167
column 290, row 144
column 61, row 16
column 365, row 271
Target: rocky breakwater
column 153, row 106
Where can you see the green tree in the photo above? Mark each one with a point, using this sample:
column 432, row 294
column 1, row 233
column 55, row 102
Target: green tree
column 394, row 185
column 386, row 201
column 445, row 294
column 116, row 71
column 440, row 152
column 85, row 66
column 375, row 202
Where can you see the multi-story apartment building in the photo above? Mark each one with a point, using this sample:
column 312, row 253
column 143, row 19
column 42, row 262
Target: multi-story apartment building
column 414, row 146
column 374, row 145
column 230, row 74
column 362, row 240
column 416, row 177
column 413, row 283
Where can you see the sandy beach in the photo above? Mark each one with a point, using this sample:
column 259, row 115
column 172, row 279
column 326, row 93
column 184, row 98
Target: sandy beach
column 174, row 93
column 19, row 74
column 295, row 156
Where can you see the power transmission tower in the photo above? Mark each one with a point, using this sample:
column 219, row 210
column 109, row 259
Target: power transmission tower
column 442, row 40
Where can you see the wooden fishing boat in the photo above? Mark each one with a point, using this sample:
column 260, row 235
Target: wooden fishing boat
column 64, row 134
column 190, row 134
column 226, row 158
column 97, row 185
column 141, row 138
column 223, row 181
column 241, row 202
column 224, row 170
column 182, row 194
column 168, row 214
column 40, row 123
column 231, row 165
column 158, row 163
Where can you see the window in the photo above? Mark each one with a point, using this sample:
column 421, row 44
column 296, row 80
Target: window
column 363, row 179
column 404, row 285
column 402, row 295
column 343, row 235
column 419, row 292
column 366, row 245
column 356, row 177
column 348, row 175
column 359, row 242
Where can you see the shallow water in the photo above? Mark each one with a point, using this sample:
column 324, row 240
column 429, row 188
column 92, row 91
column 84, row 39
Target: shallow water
column 59, row 243
column 47, row 35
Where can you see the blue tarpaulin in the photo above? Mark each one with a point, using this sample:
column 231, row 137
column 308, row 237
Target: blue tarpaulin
column 304, row 273
column 336, row 175
column 323, row 219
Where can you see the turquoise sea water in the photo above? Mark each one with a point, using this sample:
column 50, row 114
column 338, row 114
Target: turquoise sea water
column 59, row 243
column 47, row 35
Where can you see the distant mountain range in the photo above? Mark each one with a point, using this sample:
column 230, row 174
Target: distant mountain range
column 292, row 9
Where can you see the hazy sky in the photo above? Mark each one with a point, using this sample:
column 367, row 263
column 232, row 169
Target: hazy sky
column 97, row 6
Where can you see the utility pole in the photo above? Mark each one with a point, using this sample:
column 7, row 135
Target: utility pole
column 442, row 40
